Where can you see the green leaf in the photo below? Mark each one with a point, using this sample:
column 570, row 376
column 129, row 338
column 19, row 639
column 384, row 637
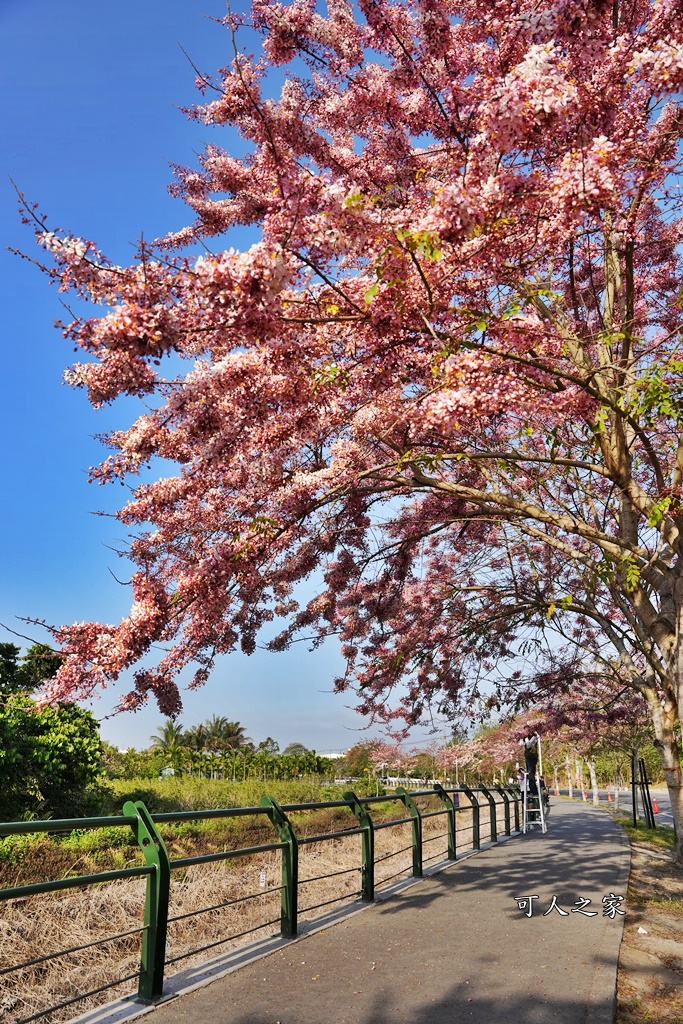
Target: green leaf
column 659, row 510
column 330, row 373
column 601, row 417
column 355, row 201
column 263, row 525
column 632, row 573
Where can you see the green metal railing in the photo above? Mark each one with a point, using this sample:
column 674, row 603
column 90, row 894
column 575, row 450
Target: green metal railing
column 158, row 866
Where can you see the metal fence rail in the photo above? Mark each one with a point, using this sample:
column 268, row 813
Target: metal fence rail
column 158, row 866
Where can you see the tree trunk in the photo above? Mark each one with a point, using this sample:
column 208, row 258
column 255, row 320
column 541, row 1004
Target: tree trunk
column 594, row 780
column 579, row 778
column 569, row 779
column 664, row 720
column 557, row 785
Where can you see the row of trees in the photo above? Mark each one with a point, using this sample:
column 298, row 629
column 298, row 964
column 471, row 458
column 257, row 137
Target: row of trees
column 236, row 765
column 588, row 735
column 53, row 763
column 217, row 734
column 51, row 756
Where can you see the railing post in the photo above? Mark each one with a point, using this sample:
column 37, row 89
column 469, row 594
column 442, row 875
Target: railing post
column 417, row 829
column 506, row 808
column 367, row 875
column 153, row 954
column 476, row 838
column 290, row 866
column 515, row 793
column 450, row 817
column 493, row 824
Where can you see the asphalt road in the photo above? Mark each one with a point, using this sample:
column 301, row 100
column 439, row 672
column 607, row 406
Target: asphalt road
column 664, row 817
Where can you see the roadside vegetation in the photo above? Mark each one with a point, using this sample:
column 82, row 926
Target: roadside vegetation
column 660, row 839
column 650, row 964
column 33, row 858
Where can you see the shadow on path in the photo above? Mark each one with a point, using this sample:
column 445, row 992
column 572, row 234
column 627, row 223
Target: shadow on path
column 457, row 1007
column 455, row 948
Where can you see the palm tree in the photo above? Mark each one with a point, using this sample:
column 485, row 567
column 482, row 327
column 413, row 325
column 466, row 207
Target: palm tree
column 168, row 736
column 262, row 762
column 235, row 758
column 214, row 733
column 234, row 736
column 222, row 734
column 195, row 737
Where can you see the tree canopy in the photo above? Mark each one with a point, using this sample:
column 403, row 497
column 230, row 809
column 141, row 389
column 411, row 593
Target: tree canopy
column 295, row 749
column 50, row 756
column 447, row 377
column 24, row 673
column 215, row 734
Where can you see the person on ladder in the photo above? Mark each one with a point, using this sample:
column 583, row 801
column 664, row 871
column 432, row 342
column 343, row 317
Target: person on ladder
column 533, row 802
column 530, row 744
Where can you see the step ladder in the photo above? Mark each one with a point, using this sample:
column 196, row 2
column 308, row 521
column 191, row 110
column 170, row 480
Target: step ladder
column 534, row 811
column 532, row 807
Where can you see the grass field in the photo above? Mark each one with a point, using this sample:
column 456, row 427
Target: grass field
column 35, row 858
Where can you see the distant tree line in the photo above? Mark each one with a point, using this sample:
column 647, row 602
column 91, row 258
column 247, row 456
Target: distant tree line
column 217, row 748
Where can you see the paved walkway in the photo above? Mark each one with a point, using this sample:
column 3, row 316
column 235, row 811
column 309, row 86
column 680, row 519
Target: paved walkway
column 454, row 948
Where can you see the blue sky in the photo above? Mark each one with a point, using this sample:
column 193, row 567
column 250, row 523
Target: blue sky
column 89, row 126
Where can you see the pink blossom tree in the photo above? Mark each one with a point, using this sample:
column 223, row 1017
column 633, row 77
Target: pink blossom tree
column 456, row 759
column 447, row 377
column 386, row 757
column 595, row 717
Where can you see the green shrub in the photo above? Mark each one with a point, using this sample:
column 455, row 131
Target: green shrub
column 49, row 760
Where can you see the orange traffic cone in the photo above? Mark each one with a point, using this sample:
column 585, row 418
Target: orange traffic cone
column 655, row 808
column 585, row 795
column 609, row 798
column 554, row 792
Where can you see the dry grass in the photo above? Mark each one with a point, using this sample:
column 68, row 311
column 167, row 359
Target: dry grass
column 44, row 925
column 649, row 983
column 47, row 924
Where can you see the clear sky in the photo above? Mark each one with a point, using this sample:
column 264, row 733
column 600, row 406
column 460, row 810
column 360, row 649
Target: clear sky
column 88, row 126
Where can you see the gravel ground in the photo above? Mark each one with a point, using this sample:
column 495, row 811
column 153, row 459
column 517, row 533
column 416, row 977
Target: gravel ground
column 650, row 978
